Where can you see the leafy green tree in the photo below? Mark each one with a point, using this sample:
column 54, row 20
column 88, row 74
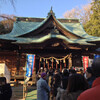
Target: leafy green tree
column 92, row 27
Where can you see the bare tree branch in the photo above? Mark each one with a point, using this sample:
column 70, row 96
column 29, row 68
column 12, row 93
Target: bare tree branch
column 11, row 1
column 8, row 17
column 83, row 13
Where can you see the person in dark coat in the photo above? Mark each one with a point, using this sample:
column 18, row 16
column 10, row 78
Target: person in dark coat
column 56, row 82
column 90, row 76
column 94, row 92
column 64, row 80
column 76, row 85
column 5, row 89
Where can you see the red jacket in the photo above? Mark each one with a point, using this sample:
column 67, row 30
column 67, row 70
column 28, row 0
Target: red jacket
column 92, row 93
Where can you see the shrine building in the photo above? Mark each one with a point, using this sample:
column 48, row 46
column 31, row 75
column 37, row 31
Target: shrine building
column 56, row 43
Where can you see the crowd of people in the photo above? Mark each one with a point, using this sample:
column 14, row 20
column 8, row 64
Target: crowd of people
column 54, row 84
column 69, row 84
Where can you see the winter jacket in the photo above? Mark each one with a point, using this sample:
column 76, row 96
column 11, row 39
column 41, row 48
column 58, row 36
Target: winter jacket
column 64, row 82
column 70, row 96
column 92, row 93
column 42, row 89
column 90, row 81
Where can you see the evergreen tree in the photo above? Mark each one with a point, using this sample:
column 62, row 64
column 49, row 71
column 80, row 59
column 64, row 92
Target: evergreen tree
column 92, row 27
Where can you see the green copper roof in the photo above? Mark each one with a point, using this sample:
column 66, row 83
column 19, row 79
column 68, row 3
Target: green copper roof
column 47, row 37
column 25, row 27
column 21, row 28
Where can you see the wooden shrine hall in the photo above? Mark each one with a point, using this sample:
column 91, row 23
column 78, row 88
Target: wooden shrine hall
column 55, row 42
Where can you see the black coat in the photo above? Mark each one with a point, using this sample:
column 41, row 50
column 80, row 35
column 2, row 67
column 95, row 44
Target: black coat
column 64, row 82
column 5, row 92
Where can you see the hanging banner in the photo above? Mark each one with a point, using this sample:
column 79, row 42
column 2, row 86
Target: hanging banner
column 30, row 65
column 85, row 62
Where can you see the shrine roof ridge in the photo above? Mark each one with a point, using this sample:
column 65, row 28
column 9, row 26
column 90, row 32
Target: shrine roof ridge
column 37, row 19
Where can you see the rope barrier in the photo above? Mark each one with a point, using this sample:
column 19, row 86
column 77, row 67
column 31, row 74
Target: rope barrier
column 57, row 59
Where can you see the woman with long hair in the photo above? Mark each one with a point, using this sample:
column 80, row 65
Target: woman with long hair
column 76, row 85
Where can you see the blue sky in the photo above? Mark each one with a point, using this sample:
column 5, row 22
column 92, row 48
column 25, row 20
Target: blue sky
column 40, row 8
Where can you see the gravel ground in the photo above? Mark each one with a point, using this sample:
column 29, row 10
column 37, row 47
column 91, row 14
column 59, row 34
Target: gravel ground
column 17, row 92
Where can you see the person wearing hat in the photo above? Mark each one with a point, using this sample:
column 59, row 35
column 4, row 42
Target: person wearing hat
column 43, row 88
column 94, row 92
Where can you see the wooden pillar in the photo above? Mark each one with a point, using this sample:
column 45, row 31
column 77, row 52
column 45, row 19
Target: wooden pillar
column 18, row 68
column 24, row 91
column 44, row 63
column 56, row 65
column 70, row 63
column 60, row 66
column 18, row 61
column 48, row 64
column 64, row 62
column 36, row 67
column 39, row 64
column 52, row 63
